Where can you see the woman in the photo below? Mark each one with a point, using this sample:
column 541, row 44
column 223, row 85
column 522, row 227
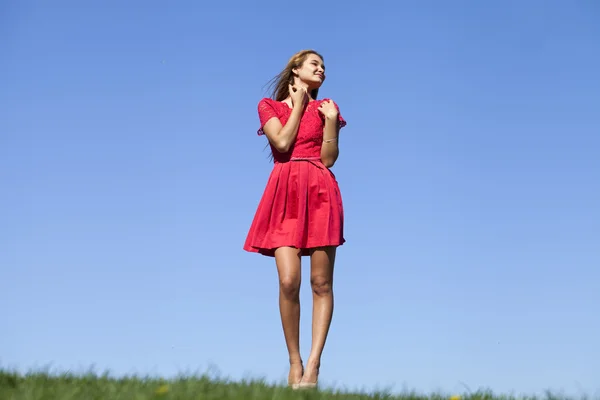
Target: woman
column 301, row 212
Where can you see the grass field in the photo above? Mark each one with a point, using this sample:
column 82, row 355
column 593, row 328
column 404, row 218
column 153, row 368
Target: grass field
column 90, row 386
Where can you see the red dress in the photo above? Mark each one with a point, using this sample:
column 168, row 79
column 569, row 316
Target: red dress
column 301, row 205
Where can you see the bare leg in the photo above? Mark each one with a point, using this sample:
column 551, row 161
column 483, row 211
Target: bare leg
column 321, row 279
column 287, row 260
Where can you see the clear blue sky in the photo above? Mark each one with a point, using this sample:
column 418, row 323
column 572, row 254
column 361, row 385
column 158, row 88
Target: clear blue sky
column 130, row 171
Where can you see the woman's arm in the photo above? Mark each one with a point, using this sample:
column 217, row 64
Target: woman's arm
column 329, row 149
column 282, row 137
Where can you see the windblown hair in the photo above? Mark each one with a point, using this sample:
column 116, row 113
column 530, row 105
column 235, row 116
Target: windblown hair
column 280, row 82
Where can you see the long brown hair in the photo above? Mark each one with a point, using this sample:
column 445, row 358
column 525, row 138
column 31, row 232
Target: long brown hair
column 286, row 77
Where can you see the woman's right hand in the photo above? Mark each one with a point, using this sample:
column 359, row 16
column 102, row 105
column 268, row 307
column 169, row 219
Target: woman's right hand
column 298, row 95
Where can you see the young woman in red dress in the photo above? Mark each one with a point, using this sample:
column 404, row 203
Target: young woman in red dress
column 301, row 212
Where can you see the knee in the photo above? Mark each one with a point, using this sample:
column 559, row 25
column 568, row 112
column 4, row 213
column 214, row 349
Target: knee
column 321, row 286
column 289, row 286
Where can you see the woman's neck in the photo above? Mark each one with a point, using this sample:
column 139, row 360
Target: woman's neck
column 299, row 83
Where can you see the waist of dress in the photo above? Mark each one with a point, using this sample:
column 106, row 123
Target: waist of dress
column 318, row 159
column 313, row 160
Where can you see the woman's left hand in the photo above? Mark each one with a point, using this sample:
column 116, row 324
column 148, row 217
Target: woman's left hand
column 329, row 110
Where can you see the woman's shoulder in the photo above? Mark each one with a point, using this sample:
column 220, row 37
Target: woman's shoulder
column 342, row 120
column 270, row 102
column 331, row 100
column 324, row 99
column 266, row 100
column 269, row 105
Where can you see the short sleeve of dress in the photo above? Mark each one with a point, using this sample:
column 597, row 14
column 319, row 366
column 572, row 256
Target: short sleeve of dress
column 340, row 118
column 266, row 111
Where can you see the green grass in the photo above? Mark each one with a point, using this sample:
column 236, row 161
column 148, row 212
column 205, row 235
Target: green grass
column 91, row 386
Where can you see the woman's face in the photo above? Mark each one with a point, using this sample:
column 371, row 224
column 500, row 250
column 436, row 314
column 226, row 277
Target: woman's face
column 312, row 71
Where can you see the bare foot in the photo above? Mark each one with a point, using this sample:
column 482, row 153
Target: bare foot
column 296, row 371
column 311, row 374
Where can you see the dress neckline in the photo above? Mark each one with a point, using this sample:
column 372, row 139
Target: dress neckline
column 291, row 108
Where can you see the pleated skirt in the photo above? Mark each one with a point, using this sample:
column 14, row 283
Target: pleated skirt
column 301, row 207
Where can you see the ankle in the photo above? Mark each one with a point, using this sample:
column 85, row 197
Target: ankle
column 295, row 360
column 313, row 362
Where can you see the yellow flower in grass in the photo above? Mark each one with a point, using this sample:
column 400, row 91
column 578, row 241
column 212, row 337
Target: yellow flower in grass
column 162, row 389
column 455, row 397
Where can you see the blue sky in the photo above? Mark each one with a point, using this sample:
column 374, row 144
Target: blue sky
column 130, row 171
